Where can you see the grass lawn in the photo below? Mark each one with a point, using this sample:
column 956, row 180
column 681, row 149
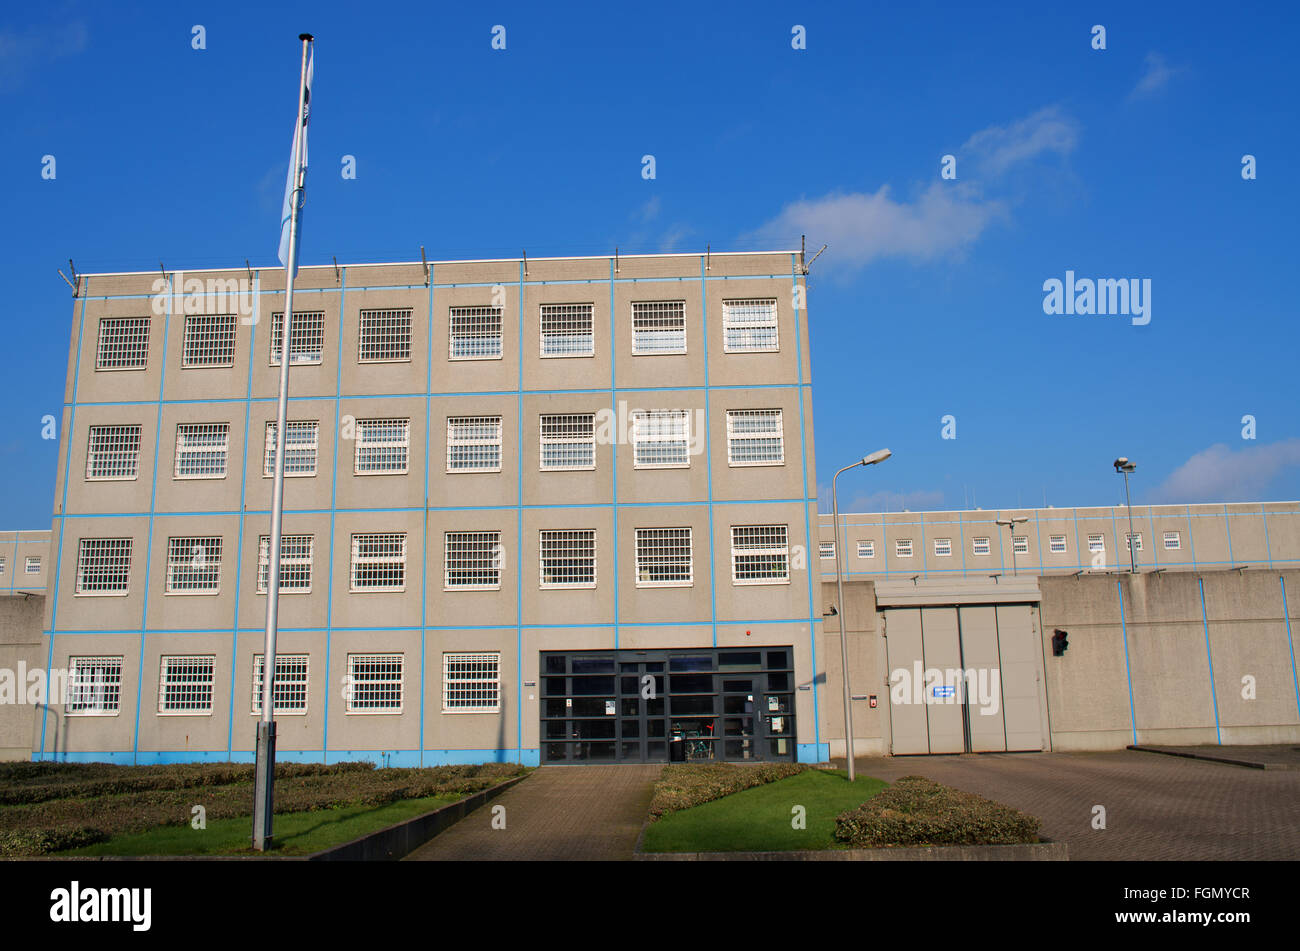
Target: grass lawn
column 296, row 833
column 759, row 819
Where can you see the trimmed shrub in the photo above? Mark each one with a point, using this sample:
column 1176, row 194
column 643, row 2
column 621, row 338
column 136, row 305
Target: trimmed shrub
column 45, row 841
column 916, row 811
column 683, row 786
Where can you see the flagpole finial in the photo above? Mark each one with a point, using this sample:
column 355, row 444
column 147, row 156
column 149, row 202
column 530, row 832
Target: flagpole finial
column 305, row 36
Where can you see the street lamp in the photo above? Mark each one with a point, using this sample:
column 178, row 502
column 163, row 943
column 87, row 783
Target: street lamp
column 1011, row 523
column 1124, row 466
column 880, row 455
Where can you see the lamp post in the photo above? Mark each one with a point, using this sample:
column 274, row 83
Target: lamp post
column 1122, row 465
column 879, row 455
column 1011, row 523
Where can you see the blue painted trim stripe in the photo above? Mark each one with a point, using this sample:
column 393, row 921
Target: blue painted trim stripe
column 1128, row 673
column 1290, row 643
column 1209, row 656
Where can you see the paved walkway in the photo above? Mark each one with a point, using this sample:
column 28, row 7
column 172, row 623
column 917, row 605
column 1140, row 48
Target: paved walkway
column 1272, row 756
column 1157, row 807
column 558, row 813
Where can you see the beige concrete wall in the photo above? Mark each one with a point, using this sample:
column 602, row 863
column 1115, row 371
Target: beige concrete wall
column 20, row 649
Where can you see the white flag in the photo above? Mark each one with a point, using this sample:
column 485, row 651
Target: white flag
column 287, row 210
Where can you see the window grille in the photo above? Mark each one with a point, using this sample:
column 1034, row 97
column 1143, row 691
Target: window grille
column 185, row 685
column 663, row 556
column 1133, row 541
column 201, row 450
column 658, row 326
column 471, row 683
column 32, row 565
column 288, row 689
column 567, row 330
column 123, row 343
column 113, row 453
column 943, row 547
column 1020, row 544
column 379, row 562
column 867, row 549
column 295, row 563
column 661, row 439
column 1173, row 541
column 760, row 554
column 382, row 446
column 569, row 441
column 749, row 326
column 374, row 683
column 1056, row 544
column 104, row 566
column 193, row 565
column 755, row 437
column 568, row 558
column 385, row 336
column 475, row 333
column 980, row 546
column 474, row 444
column 301, row 440
column 826, row 549
column 209, row 340
column 473, row 560
column 95, row 686
column 1096, row 543
column 306, row 339
column 903, row 547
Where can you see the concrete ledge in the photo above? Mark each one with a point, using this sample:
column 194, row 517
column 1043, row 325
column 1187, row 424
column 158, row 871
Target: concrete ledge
column 1265, row 760
column 1035, row 852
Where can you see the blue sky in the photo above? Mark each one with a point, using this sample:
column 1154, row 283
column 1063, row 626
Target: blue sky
column 1116, row 163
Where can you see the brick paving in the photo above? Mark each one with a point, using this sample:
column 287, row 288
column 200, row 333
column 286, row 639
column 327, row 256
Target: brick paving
column 1157, row 807
column 558, row 813
column 1271, row 756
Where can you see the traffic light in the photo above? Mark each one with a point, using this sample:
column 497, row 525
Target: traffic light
column 1060, row 642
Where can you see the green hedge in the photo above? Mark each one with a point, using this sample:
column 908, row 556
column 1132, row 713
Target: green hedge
column 683, row 786
column 916, row 811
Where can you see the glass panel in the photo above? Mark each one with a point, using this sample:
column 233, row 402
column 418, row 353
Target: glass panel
column 631, row 750
column 555, row 707
column 555, row 686
column 555, row 664
column 683, row 705
column 740, row 659
column 655, row 667
column 740, row 749
column 600, row 751
column 738, row 704
column 627, row 668
column 655, row 708
column 555, row 729
column 656, row 750
column 593, row 729
column 778, row 681
column 631, row 728
column 691, row 683
column 777, row 660
column 584, row 707
column 698, row 662
column 654, row 728
column 738, row 726
column 779, row 747
column 777, row 703
column 631, row 707
column 593, row 665
column 586, row 686
column 630, row 684
column 555, row 751
column 777, row 725
column 738, row 686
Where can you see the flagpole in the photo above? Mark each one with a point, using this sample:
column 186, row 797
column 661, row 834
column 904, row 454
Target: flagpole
column 264, row 771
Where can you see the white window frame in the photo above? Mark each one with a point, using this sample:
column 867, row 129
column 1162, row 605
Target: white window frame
column 826, row 550
column 474, row 436
column 461, row 561
column 96, row 695
column 189, row 557
column 981, row 542
column 742, row 321
column 570, row 551
column 471, row 327
column 903, row 548
column 306, row 338
column 294, row 562
column 563, row 315
column 1096, row 544
column 1129, row 538
column 751, row 545
column 1057, row 545
column 210, row 341
column 570, row 432
column 185, row 431
column 125, row 342
column 1176, row 538
column 384, row 335
column 470, row 680
column 662, row 428
column 649, row 541
column 385, row 680
column 293, row 674
column 382, row 442
column 114, row 549
column 117, row 445
column 866, row 548
column 651, row 314
column 32, row 565
column 374, row 553
column 203, row 686
column 1020, row 544
column 943, row 547
column 293, row 429
column 741, row 444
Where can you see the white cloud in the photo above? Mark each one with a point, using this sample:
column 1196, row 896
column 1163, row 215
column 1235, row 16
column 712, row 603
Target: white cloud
column 996, row 149
column 1220, row 474
column 1156, row 77
column 22, row 52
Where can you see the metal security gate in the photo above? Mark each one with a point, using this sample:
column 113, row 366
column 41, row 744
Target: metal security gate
column 659, row 706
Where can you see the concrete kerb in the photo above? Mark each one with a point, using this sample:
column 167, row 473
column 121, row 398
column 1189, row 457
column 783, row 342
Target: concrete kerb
column 1208, row 757
column 1030, row 852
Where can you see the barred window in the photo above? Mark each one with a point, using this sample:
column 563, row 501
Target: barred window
column 569, row 441
column 295, row 563
column 567, row 330
column 1056, row 544
column 826, row 549
column 288, row 688
column 209, row 340
column 980, row 545
column 185, row 684
column 306, row 339
column 658, row 326
column 473, row 560
column 474, row 444
column 1020, row 544
column 471, row 683
column 379, row 562
column 661, row 439
column 1096, row 543
column 301, row 439
column 385, row 336
column 760, row 554
column 903, row 547
column 475, row 333
column 568, row 558
column 194, row 565
column 103, row 566
column 749, row 326
column 32, row 566
column 1173, row 541
column 943, row 547
column 755, row 437
column 383, row 446
column 113, row 453
column 123, row 343
column 2, row 564
column 201, row 450
column 663, row 557
column 95, row 686
column 374, row 683
column 867, row 548
column 1133, row 541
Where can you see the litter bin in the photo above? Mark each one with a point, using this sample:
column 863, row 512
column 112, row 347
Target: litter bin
column 676, row 749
